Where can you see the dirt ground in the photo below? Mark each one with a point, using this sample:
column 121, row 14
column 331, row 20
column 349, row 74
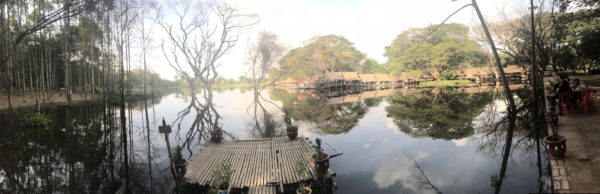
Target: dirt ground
column 582, row 160
column 29, row 100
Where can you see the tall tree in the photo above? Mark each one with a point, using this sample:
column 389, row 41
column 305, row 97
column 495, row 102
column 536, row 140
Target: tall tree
column 434, row 51
column 202, row 33
column 322, row 54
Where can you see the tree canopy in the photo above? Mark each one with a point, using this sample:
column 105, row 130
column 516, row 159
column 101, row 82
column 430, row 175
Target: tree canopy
column 434, row 50
column 322, row 54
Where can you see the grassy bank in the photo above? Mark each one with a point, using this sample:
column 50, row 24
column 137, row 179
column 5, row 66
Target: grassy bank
column 442, row 83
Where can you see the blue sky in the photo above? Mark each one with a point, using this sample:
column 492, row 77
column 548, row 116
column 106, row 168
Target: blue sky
column 370, row 24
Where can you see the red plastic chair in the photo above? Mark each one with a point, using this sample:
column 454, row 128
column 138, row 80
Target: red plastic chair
column 587, row 101
column 566, row 102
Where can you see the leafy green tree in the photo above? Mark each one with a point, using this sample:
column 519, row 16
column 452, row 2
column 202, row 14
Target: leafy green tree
column 373, row 66
column 323, row 54
column 434, row 52
column 578, row 32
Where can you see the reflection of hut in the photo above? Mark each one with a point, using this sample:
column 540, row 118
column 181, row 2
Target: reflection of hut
column 302, row 82
column 368, row 94
column 352, row 98
column 351, row 79
column 335, row 100
column 388, row 92
column 280, row 83
column 290, row 83
column 368, row 79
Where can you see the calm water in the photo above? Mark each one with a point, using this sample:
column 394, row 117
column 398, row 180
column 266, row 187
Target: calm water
column 448, row 132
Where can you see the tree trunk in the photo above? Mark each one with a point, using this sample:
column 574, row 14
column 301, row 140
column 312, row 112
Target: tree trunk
column 67, row 57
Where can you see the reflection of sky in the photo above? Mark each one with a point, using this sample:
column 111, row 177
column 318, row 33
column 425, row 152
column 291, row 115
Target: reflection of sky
column 375, row 151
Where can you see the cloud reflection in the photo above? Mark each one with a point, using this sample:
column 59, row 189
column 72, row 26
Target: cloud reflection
column 398, row 169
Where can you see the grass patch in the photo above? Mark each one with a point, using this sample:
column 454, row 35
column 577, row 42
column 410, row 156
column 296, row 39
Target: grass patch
column 439, row 83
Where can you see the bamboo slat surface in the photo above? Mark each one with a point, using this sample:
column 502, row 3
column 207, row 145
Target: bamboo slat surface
column 263, row 166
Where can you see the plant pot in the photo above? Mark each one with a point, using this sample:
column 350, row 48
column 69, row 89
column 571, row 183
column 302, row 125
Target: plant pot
column 223, row 189
column 556, row 146
column 321, row 166
column 216, row 136
column 304, row 190
column 292, row 132
column 180, row 167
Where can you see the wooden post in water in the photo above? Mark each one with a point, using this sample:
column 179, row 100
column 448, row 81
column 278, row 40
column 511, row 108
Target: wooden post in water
column 166, row 129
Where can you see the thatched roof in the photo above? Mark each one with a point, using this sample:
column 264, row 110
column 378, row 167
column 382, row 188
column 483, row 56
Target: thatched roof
column 290, row 80
column 333, row 76
column 350, row 76
column 476, row 71
column 367, row 77
column 513, row 69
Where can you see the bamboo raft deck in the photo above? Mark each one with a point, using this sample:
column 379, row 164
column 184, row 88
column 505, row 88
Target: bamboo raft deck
column 260, row 166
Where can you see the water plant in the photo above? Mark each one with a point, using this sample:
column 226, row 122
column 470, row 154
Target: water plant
column 34, row 119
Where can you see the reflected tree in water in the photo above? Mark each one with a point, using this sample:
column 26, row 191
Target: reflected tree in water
column 262, row 56
column 329, row 118
column 443, row 114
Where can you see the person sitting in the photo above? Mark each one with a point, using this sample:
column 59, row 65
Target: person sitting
column 578, row 85
column 578, row 89
column 561, row 87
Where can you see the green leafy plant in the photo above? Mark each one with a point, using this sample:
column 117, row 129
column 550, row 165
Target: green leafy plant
column 221, row 177
column 552, row 117
column 34, row 119
column 319, row 155
column 176, row 153
column 303, row 172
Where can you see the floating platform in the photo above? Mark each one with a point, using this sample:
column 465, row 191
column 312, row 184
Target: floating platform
column 260, row 166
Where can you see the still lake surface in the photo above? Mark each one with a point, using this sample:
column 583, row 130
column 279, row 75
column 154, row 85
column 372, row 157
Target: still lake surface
column 449, row 132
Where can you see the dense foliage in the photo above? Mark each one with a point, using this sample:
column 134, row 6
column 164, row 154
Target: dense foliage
column 323, row 54
column 434, row 51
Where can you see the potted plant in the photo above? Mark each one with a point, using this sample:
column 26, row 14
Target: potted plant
column 291, row 130
column 552, row 118
column 302, row 171
column 556, row 144
column 320, row 160
column 221, row 177
column 178, row 162
column 216, row 135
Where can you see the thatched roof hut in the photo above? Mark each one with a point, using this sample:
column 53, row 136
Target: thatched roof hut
column 350, row 76
column 367, row 78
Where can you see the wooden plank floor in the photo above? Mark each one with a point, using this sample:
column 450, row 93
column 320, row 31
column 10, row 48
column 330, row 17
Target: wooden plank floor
column 261, row 165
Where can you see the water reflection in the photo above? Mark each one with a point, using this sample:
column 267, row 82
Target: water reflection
column 460, row 151
column 329, row 118
column 77, row 153
column 444, row 114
